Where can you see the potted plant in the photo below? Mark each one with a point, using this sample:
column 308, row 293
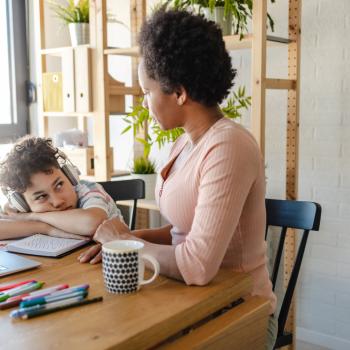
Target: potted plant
column 75, row 13
column 145, row 169
column 231, row 15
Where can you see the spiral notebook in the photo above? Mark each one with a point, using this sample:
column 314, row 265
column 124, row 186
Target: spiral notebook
column 43, row 245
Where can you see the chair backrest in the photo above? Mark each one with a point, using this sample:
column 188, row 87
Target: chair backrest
column 290, row 214
column 120, row 190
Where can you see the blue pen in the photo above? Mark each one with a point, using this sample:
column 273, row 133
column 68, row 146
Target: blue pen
column 52, row 298
column 22, row 312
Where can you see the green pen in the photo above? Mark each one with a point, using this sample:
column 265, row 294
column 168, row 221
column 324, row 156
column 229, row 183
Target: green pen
column 21, row 290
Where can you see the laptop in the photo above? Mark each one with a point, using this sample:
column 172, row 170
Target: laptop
column 11, row 263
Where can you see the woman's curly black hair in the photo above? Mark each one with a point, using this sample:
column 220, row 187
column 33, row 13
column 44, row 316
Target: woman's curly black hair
column 182, row 49
column 29, row 155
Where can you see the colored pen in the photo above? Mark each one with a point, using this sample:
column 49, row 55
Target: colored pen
column 46, row 291
column 22, row 311
column 16, row 300
column 11, row 302
column 77, row 288
column 14, row 285
column 52, row 298
column 15, row 289
column 59, row 308
column 18, row 291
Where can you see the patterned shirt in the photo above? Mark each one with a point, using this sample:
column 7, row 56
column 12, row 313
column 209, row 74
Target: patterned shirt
column 92, row 195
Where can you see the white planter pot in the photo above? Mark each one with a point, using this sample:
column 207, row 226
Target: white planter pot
column 150, row 184
column 225, row 23
column 79, row 33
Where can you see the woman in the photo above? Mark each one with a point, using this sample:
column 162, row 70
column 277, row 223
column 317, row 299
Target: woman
column 212, row 190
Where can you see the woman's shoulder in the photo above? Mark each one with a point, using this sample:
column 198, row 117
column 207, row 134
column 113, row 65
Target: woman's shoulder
column 179, row 143
column 229, row 131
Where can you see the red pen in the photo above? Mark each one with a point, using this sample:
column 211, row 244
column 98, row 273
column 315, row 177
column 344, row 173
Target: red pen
column 14, row 285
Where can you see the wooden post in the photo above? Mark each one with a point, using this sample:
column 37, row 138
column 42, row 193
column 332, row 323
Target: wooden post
column 43, row 121
column 259, row 72
column 138, row 14
column 100, row 82
column 292, row 141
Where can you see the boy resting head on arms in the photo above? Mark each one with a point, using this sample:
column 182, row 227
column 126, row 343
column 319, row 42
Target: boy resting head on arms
column 45, row 195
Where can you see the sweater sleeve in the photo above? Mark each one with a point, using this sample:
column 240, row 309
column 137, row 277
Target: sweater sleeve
column 227, row 173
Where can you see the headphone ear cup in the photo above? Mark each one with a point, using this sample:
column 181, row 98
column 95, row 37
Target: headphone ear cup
column 17, row 201
column 71, row 172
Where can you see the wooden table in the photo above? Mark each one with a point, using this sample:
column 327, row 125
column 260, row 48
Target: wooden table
column 137, row 321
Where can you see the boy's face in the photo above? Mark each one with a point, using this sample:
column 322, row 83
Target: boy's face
column 50, row 192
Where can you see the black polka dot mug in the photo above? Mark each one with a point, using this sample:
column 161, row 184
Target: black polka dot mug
column 123, row 266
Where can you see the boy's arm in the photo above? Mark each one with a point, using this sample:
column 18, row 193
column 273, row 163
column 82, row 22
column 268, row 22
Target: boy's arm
column 77, row 221
column 10, row 229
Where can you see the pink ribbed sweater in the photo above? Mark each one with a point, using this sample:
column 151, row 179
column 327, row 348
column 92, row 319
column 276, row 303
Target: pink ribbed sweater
column 215, row 202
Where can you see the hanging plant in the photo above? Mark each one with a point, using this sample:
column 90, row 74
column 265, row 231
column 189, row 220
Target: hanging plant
column 240, row 10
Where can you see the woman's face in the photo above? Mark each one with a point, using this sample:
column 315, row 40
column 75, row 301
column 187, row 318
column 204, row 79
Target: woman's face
column 163, row 107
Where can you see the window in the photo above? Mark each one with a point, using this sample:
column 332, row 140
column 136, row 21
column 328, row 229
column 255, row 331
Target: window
column 14, row 112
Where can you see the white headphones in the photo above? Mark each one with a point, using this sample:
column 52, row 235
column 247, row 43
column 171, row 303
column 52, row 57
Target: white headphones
column 16, row 199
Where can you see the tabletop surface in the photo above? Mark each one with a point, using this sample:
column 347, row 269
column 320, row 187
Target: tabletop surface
column 135, row 321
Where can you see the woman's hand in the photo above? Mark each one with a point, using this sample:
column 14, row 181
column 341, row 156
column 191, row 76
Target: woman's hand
column 111, row 230
column 92, row 255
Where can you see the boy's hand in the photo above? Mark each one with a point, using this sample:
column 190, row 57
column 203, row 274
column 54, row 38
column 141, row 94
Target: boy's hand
column 8, row 209
column 92, row 255
column 55, row 232
column 20, row 216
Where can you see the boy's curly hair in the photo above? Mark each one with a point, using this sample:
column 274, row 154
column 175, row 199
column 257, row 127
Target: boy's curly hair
column 29, row 155
column 182, row 49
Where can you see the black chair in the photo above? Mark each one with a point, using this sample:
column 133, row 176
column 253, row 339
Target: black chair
column 290, row 214
column 121, row 190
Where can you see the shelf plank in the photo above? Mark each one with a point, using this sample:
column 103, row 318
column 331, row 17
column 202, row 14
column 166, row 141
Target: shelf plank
column 141, row 203
column 280, row 84
column 125, row 90
column 232, row 42
column 131, row 51
column 67, row 114
column 58, row 51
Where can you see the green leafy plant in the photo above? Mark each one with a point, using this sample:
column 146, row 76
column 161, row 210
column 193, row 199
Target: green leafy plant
column 139, row 119
column 241, row 11
column 236, row 103
column 72, row 11
column 143, row 165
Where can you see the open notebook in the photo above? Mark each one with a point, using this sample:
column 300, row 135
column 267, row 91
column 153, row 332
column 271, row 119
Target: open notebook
column 45, row 245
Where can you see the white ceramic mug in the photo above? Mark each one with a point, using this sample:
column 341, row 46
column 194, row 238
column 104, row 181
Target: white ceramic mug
column 124, row 267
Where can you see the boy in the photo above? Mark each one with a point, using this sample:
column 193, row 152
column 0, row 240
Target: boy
column 39, row 179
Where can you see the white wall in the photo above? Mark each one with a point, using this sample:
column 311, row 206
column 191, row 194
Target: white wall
column 324, row 294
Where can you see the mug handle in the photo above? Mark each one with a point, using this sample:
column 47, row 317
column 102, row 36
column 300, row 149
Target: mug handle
column 156, row 268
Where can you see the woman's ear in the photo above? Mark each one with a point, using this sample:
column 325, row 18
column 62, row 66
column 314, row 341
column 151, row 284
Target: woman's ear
column 181, row 96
